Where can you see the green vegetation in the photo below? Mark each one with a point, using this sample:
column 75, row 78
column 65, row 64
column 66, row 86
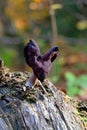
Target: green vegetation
column 75, row 85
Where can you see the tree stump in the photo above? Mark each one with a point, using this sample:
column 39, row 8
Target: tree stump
column 43, row 107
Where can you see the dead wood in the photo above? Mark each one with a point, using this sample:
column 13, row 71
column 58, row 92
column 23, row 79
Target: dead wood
column 43, row 107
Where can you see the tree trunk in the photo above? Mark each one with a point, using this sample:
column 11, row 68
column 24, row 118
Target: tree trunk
column 43, row 107
column 8, row 28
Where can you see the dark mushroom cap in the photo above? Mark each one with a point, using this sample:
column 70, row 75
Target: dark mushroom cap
column 41, row 64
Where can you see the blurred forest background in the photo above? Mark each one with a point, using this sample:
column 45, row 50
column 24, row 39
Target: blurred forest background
column 49, row 23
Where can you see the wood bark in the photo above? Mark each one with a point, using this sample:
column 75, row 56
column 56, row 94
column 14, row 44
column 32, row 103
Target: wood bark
column 43, row 107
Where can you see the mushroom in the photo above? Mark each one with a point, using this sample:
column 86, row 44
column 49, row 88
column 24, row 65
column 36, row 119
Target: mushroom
column 40, row 64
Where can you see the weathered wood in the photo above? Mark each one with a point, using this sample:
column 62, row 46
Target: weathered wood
column 37, row 108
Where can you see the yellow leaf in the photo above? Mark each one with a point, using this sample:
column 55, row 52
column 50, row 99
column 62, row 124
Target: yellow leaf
column 81, row 25
column 56, row 6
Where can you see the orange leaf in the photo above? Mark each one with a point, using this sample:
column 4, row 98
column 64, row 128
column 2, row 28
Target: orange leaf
column 37, row 1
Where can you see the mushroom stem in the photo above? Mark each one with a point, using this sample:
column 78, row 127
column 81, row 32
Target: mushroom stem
column 31, row 81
